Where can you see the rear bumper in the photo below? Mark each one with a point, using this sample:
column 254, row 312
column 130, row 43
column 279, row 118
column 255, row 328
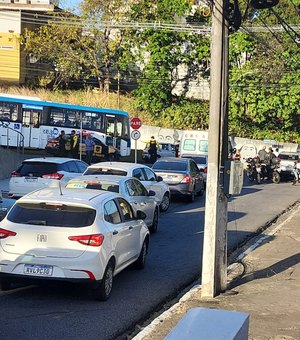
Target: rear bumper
column 180, row 189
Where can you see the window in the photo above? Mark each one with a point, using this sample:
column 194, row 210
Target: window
column 81, row 166
column 203, row 145
column 125, row 209
column 105, row 171
column 189, row 144
column 193, row 168
column 176, row 166
column 140, row 189
column 52, row 214
column 8, row 111
column 37, row 169
column 138, row 173
column 71, row 166
column 111, row 212
column 150, row 175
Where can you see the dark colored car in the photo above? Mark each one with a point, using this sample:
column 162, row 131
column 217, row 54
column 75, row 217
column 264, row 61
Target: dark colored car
column 182, row 175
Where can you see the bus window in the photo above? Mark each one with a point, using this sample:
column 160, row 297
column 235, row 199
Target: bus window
column 203, row 145
column 189, row 145
column 72, row 119
column 119, row 127
column 57, row 117
column 8, row 111
column 110, row 126
column 31, row 118
column 126, row 128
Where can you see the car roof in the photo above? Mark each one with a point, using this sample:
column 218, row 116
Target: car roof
column 102, row 178
column 88, row 197
column 58, row 160
column 118, row 165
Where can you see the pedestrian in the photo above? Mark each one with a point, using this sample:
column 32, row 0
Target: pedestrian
column 276, row 152
column 262, row 155
column 74, row 145
column 177, row 144
column 153, row 150
column 89, row 148
column 62, row 140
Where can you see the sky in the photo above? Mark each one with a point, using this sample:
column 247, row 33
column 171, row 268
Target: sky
column 69, row 3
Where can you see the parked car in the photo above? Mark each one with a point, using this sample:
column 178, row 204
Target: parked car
column 83, row 236
column 182, row 175
column 142, row 172
column 163, row 150
column 286, row 165
column 129, row 187
column 38, row 173
column 202, row 164
column 5, row 205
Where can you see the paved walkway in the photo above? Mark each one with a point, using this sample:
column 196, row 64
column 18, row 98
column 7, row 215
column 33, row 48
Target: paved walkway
column 268, row 290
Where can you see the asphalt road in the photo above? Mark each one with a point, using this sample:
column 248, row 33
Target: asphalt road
column 69, row 312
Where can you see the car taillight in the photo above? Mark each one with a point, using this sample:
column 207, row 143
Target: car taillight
column 186, row 179
column 53, row 176
column 15, row 174
column 95, row 240
column 6, row 233
column 205, row 170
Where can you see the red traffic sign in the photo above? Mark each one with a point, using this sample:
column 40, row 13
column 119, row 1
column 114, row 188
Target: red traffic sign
column 135, row 123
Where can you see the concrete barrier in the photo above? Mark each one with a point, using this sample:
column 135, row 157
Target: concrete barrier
column 213, row 324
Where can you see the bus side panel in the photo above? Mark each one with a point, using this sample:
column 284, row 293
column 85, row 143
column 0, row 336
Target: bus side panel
column 10, row 134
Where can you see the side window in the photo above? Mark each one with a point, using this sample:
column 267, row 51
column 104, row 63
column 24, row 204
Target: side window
column 130, row 187
column 111, row 212
column 150, row 175
column 193, row 167
column 64, row 167
column 140, row 189
column 138, row 173
column 126, row 209
column 81, row 166
column 72, row 167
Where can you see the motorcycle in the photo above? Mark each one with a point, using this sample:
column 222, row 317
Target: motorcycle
column 296, row 172
column 251, row 169
column 275, row 170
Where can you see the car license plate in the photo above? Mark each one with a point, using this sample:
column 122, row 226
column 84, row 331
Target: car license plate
column 41, row 270
column 30, row 179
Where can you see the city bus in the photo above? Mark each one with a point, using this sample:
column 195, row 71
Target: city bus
column 30, row 122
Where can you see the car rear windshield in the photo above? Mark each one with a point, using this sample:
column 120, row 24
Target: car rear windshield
column 175, row 166
column 105, row 171
column 289, row 157
column 98, row 185
column 197, row 159
column 52, row 214
column 37, row 169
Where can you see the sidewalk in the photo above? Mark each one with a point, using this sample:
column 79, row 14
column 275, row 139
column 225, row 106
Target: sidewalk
column 269, row 290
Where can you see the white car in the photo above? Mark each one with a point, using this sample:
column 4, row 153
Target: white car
column 142, row 172
column 130, row 188
column 164, row 150
column 39, row 173
column 71, row 235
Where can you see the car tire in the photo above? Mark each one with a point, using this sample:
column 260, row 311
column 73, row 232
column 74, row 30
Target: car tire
column 165, row 203
column 140, row 262
column 104, row 288
column 153, row 228
column 276, row 177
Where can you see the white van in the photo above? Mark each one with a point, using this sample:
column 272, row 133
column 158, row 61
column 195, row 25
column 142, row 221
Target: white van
column 194, row 142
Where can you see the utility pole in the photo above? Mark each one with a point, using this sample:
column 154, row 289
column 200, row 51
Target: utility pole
column 214, row 263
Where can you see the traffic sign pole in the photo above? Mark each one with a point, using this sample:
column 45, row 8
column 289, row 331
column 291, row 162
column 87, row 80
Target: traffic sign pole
column 135, row 134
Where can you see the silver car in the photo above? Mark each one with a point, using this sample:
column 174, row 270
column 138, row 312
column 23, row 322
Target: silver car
column 202, row 163
column 130, row 188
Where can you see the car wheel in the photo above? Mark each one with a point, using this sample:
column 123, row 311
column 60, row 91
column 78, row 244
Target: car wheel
column 153, row 228
column 140, row 262
column 165, row 203
column 276, row 177
column 192, row 196
column 258, row 178
column 104, row 288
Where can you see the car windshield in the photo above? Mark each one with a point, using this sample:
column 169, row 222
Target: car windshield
column 98, row 185
column 52, row 214
column 37, row 168
column 105, row 171
column 176, row 166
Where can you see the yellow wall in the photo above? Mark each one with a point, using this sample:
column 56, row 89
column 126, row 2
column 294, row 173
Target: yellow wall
column 9, row 58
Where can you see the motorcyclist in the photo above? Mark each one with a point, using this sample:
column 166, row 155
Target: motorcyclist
column 296, row 172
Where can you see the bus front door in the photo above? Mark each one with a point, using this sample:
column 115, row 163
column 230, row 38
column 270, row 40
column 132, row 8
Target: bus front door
column 31, row 128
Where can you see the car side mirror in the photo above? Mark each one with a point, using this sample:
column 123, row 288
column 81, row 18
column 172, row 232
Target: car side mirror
column 159, row 179
column 140, row 215
column 151, row 193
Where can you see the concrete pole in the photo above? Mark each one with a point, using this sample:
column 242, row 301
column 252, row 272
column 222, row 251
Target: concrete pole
column 215, row 207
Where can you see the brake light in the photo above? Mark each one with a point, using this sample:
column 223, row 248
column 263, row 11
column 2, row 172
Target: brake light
column 95, row 240
column 186, row 179
column 53, row 176
column 6, row 233
column 205, row 170
column 15, row 174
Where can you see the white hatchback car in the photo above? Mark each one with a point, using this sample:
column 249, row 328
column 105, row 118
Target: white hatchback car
column 130, row 188
column 39, row 173
column 71, row 235
column 142, row 172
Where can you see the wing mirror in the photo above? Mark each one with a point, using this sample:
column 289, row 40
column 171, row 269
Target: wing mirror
column 140, row 215
column 151, row 193
column 159, row 179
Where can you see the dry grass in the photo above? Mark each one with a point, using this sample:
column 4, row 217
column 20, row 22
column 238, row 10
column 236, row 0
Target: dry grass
column 81, row 97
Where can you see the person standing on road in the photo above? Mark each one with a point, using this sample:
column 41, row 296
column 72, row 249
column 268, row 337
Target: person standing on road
column 89, row 148
column 153, row 150
column 62, row 140
column 74, row 145
column 262, row 154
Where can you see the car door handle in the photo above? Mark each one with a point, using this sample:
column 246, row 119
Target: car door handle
column 115, row 232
